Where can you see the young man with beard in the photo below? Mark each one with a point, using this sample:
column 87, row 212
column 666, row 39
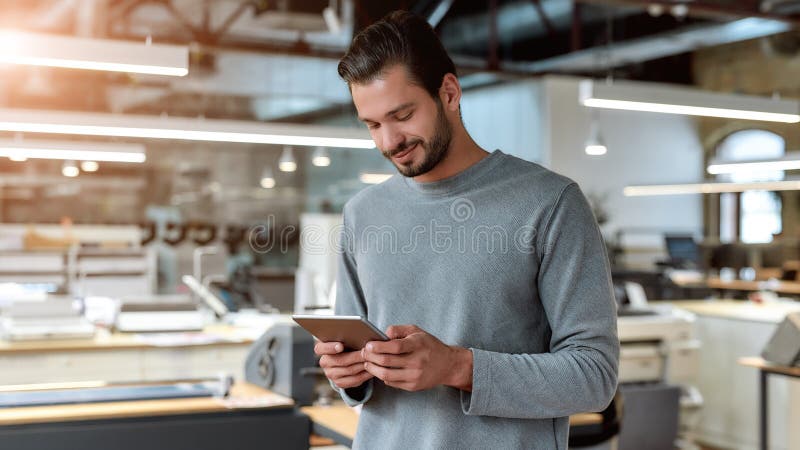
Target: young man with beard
column 488, row 272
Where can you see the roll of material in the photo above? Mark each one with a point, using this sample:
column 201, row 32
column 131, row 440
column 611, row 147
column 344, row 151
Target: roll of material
column 279, row 360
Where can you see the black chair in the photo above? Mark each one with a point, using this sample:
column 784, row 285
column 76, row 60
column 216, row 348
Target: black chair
column 595, row 434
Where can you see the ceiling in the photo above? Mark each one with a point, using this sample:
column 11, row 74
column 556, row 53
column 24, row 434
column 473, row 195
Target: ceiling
column 276, row 60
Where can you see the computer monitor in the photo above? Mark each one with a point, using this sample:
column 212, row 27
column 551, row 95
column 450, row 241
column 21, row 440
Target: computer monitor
column 682, row 250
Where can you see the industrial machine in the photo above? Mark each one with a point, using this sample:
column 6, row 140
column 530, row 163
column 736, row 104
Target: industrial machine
column 46, row 318
column 283, row 361
column 657, row 371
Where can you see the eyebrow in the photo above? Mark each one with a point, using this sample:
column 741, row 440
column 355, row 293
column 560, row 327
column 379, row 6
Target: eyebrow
column 392, row 112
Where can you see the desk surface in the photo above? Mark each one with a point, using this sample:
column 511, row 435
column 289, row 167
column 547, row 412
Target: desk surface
column 739, row 309
column 782, row 287
column 343, row 420
column 761, row 364
column 243, row 396
column 215, row 335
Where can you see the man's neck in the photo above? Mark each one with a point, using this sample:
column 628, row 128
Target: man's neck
column 461, row 155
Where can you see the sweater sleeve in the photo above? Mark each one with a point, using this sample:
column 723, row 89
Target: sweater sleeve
column 350, row 302
column 579, row 374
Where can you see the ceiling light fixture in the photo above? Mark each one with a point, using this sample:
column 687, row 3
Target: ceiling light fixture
column 594, row 144
column 69, row 169
column 766, row 165
column 710, row 188
column 267, row 178
column 152, row 127
column 90, row 166
column 93, row 54
column 321, row 157
column 18, row 150
column 646, row 97
column 287, row 163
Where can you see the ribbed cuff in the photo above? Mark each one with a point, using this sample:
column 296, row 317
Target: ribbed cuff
column 357, row 395
column 476, row 403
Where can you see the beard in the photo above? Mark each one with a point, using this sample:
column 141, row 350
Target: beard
column 434, row 149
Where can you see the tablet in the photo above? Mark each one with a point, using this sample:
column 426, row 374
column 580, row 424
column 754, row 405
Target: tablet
column 352, row 331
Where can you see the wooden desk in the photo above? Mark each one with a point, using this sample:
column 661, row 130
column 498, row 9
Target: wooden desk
column 222, row 335
column 339, row 422
column 123, row 357
column 241, row 393
column 740, row 310
column 781, row 287
column 765, row 369
column 251, row 418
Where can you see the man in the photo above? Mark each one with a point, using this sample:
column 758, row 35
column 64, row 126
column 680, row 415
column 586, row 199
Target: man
column 487, row 272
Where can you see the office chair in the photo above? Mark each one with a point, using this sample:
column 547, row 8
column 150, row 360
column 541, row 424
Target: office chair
column 609, row 428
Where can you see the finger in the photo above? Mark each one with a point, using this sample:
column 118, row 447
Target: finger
column 346, row 371
column 394, row 347
column 401, row 331
column 386, row 374
column 353, row 381
column 328, row 348
column 340, row 360
column 387, row 360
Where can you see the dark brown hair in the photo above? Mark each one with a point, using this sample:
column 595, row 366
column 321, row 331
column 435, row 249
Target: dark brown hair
column 399, row 38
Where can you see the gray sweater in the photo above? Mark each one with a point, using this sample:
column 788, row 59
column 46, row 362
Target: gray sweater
column 506, row 259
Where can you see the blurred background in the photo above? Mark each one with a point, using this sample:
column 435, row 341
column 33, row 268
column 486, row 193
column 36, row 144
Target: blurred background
column 172, row 176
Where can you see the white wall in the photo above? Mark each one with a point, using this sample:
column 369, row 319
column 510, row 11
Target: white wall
column 643, row 148
column 516, row 127
column 541, row 120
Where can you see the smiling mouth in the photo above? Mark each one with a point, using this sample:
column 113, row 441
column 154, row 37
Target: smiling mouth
column 404, row 152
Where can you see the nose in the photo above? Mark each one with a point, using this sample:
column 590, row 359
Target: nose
column 391, row 138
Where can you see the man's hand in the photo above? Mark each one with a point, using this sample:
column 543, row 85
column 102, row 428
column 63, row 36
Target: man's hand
column 344, row 369
column 414, row 360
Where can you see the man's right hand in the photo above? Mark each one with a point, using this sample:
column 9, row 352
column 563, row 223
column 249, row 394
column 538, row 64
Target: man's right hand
column 344, row 369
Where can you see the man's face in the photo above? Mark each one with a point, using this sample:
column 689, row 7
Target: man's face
column 408, row 126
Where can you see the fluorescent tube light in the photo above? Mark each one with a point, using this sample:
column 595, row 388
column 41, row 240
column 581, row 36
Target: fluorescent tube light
column 77, row 151
column 710, row 188
column 789, row 163
column 374, row 178
column 647, row 97
column 152, row 127
column 93, row 54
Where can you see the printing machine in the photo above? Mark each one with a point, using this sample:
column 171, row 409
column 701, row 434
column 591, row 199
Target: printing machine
column 657, row 369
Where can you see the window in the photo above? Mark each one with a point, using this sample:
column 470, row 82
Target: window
column 757, row 213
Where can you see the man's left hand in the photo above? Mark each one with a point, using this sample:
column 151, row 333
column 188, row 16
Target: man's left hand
column 414, row 360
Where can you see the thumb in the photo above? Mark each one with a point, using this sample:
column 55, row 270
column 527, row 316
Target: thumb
column 401, row 331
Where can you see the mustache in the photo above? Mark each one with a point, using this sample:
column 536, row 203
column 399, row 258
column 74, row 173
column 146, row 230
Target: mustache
column 402, row 147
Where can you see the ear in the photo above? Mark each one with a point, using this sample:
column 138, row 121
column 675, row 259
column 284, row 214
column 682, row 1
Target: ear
column 450, row 92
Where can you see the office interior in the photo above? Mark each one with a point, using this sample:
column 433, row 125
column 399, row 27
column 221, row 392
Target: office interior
column 173, row 173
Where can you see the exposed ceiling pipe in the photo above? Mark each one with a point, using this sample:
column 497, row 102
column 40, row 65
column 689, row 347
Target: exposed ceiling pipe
column 652, row 47
column 518, row 20
column 439, row 12
column 53, row 16
column 88, row 14
column 703, row 10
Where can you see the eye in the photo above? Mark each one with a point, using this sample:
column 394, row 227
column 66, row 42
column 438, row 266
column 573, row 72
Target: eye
column 372, row 126
column 406, row 117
